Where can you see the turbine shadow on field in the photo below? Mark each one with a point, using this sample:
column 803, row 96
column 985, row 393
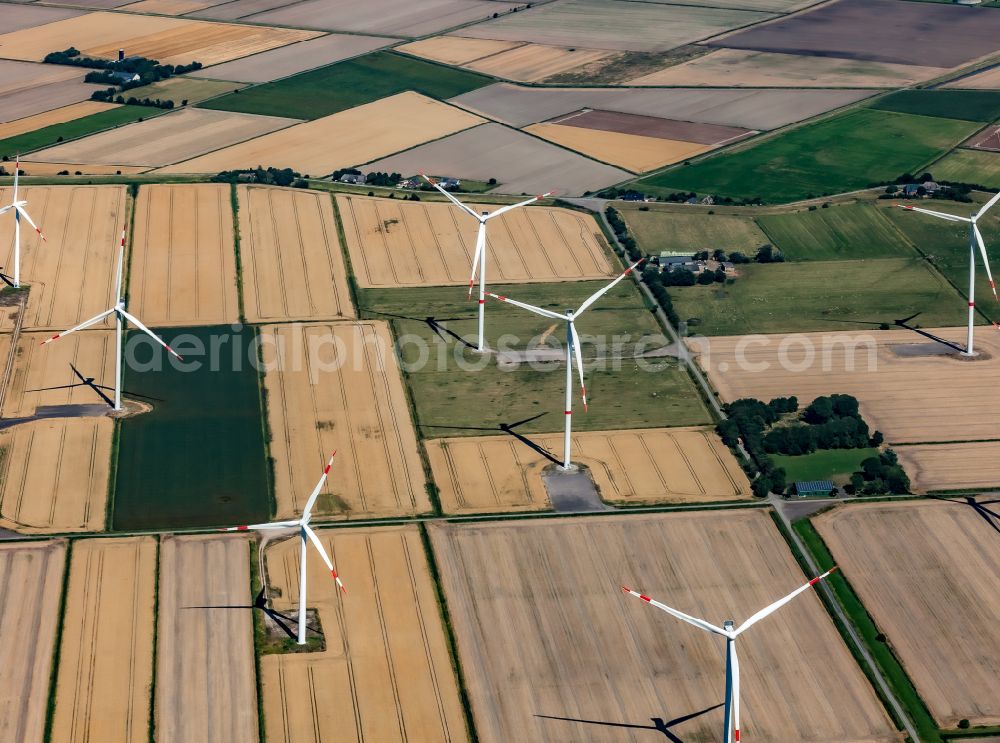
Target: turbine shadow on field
column 97, row 388
column 903, row 323
column 508, row 428
column 434, row 324
column 260, row 603
column 659, row 724
column 8, row 280
column 991, row 517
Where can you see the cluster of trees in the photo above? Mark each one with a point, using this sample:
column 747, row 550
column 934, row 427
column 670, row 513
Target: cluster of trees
column 384, row 179
column 149, row 70
column 267, row 176
column 109, row 95
column 828, row 423
column 630, row 194
column 947, row 190
column 748, row 420
column 652, row 277
column 768, row 254
column 622, row 233
column 880, row 475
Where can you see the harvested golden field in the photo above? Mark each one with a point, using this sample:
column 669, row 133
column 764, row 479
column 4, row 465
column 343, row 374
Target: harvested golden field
column 162, row 140
column 929, row 574
column 386, row 674
column 205, row 678
column 54, row 475
column 56, row 116
column 890, row 385
column 352, row 137
column 751, row 69
column 35, row 168
column 544, row 632
column 31, row 577
column 967, row 466
column 438, row 241
column 169, row 40
column 491, row 474
column 456, row 50
column 987, row 80
column 169, row 7
column 106, row 660
column 72, row 275
column 338, row 386
column 183, row 269
column 293, row 266
column 630, row 151
column 534, row 62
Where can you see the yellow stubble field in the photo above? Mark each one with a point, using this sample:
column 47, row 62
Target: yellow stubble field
column 183, row 259
column 293, row 266
column 929, row 574
column 386, row 674
column 485, row 474
column 106, row 660
column 395, row 243
column 337, row 386
column 55, row 116
column 31, row 581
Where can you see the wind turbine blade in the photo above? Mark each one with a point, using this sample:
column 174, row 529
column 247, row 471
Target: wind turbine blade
column 135, row 321
column 986, row 260
column 768, row 610
column 450, row 196
column 23, row 213
column 322, row 553
column 261, row 527
column 579, row 361
column 121, row 266
column 699, row 623
column 504, row 209
column 81, row 326
column 480, row 245
column 7, row 208
column 942, row 215
column 319, row 486
column 605, row 290
column 988, row 205
column 529, row 307
column 736, row 695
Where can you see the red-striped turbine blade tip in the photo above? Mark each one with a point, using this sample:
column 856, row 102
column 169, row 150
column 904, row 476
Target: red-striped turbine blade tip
column 626, row 590
column 49, row 340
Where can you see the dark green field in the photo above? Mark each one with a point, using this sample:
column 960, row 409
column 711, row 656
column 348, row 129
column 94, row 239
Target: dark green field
column 327, row 90
column 840, row 232
column 198, row 458
column 50, row 135
column 820, row 295
column 840, row 154
column 824, row 464
column 970, row 105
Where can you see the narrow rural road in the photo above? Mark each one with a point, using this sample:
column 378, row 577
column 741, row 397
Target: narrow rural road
column 859, row 646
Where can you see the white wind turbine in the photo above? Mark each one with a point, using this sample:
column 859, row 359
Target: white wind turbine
column 975, row 238
column 730, row 631
column 120, row 314
column 572, row 349
column 305, row 533
column 19, row 211
column 479, row 258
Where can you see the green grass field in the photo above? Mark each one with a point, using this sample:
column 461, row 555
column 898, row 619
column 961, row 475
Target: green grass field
column 948, row 245
column 327, row 90
column 839, row 154
column 820, row 295
column 824, row 464
column 657, row 231
column 969, row 105
column 840, row 232
column 50, row 135
column 198, row 458
column 970, row 166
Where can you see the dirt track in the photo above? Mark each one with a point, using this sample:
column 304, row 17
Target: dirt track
column 490, row 474
column 386, row 674
column 394, row 243
column 929, row 574
column 338, row 386
column 543, row 629
column 205, row 677
column 183, row 259
column 293, row 267
column 106, row 661
column 31, row 582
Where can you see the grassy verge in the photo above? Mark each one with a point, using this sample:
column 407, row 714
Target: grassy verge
column 259, row 633
column 824, row 464
column 151, row 724
column 235, row 203
column 50, row 707
column 57, row 133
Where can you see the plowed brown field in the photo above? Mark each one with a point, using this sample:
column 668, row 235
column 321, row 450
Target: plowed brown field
column 929, row 574
column 486, row 474
column 395, row 243
column 386, row 674
column 338, row 386
column 293, row 265
column 544, row 632
column 106, row 661
column 184, row 260
column 31, row 579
